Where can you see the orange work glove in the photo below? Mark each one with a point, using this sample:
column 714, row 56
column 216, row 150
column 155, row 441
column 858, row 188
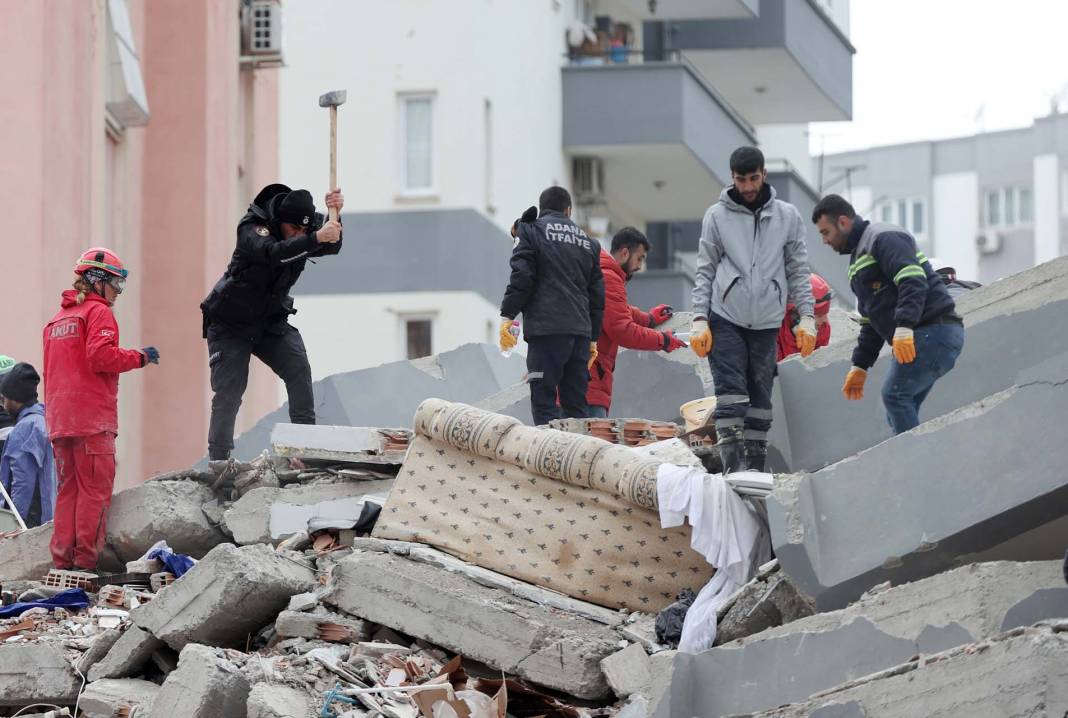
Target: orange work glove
column 700, row 338
column 854, row 384
column 805, row 334
column 904, row 346
column 593, row 356
column 508, row 339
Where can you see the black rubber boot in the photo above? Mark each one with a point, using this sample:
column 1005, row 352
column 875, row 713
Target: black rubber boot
column 756, row 455
column 731, row 449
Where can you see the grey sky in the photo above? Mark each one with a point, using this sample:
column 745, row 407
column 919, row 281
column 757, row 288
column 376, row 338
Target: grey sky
column 924, row 68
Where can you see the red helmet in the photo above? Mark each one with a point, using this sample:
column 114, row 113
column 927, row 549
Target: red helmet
column 821, row 293
column 103, row 259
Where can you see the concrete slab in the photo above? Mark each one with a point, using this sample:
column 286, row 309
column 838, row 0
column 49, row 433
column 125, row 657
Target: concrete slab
column 100, row 647
column 322, row 625
column 789, row 663
column 1020, row 673
column 228, row 596
column 1007, row 332
column 627, row 671
column 388, row 395
column 909, row 507
column 547, row 647
column 267, row 700
column 350, row 444
column 129, row 653
column 205, row 685
column 171, row 510
column 36, row 673
column 102, row 698
column 270, row 515
column 26, row 556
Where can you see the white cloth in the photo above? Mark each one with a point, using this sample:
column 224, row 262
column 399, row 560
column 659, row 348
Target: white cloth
column 725, row 530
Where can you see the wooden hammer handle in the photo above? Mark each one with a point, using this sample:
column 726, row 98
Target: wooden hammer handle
column 333, row 158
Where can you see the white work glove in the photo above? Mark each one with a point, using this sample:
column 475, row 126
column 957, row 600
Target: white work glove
column 805, row 334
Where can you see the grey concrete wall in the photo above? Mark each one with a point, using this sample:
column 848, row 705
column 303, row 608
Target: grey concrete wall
column 1007, row 331
column 661, row 103
column 1017, row 250
column 415, row 251
column 660, row 286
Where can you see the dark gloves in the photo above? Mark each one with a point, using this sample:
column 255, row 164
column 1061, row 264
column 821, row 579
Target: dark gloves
column 660, row 314
column 151, row 355
column 671, row 342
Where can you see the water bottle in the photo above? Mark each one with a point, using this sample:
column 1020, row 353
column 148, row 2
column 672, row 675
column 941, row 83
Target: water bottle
column 684, row 337
column 514, row 331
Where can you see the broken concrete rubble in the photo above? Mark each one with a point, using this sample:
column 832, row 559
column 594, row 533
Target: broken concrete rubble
column 836, row 535
column 103, row 698
column 227, row 596
column 277, row 701
column 171, row 510
column 770, row 599
column 627, row 671
column 1020, row 673
column 205, row 685
column 388, row 395
column 126, row 657
column 26, row 555
column 36, row 673
column 788, row 663
column 268, row 515
column 349, row 444
column 1013, row 315
column 556, row 650
column 322, row 625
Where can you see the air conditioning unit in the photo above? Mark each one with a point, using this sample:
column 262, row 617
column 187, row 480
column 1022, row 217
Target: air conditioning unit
column 587, row 174
column 988, row 242
column 261, row 31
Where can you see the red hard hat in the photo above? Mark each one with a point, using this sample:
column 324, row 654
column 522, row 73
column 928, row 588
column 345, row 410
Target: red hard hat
column 821, row 293
column 100, row 258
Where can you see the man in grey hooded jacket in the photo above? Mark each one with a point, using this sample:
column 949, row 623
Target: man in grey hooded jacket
column 751, row 262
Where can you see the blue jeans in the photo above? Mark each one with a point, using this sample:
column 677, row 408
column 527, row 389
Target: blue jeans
column 597, row 412
column 907, row 385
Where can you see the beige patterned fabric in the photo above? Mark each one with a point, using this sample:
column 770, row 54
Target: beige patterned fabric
column 469, row 429
column 587, row 543
column 564, row 457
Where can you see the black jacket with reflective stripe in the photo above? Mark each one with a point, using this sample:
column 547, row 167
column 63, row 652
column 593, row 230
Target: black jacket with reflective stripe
column 894, row 284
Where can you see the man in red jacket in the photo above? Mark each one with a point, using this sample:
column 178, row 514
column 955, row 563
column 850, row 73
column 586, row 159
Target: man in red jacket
column 82, row 363
column 787, row 341
column 624, row 326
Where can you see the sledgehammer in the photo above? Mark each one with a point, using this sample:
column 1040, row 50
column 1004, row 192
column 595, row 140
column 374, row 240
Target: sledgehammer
column 333, row 100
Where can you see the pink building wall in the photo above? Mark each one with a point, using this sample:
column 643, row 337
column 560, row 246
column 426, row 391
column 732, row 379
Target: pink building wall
column 165, row 196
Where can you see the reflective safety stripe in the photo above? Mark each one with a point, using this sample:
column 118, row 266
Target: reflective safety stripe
column 758, row 413
column 728, row 422
column 909, row 270
column 921, row 256
column 866, row 261
column 754, row 435
column 531, row 376
column 864, row 320
column 728, row 399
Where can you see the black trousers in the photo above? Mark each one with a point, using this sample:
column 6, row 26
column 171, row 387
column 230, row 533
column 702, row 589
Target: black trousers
column 228, row 358
column 558, row 363
column 743, row 369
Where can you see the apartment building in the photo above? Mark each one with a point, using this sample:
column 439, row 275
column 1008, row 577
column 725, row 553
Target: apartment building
column 461, row 112
column 142, row 126
column 991, row 205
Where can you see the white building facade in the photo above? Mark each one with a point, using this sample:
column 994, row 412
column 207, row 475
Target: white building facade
column 460, row 112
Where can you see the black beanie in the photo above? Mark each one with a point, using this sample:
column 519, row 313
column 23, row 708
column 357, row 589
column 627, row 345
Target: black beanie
column 297, row 208
column 20, row 384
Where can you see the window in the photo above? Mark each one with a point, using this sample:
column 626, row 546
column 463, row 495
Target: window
column 909, row 213
column 1008, row 207
column 993, row 209
column 917, row 216
column 417, row 146
column 418, row 338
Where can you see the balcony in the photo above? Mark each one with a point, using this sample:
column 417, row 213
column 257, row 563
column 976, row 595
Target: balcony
column 682, row 9
column 789, row 64
column 662, row 133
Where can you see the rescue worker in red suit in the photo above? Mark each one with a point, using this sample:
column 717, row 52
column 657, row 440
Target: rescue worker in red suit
column 82, row 363
column 623, row 325
column 787, row 342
